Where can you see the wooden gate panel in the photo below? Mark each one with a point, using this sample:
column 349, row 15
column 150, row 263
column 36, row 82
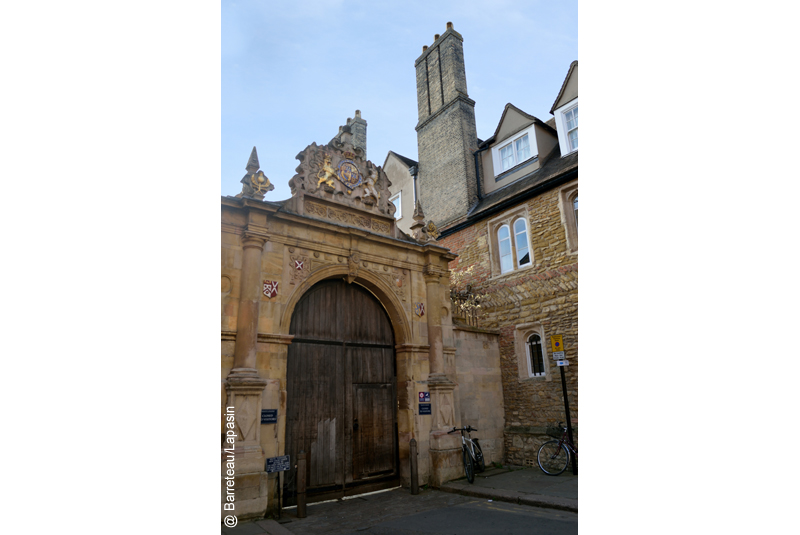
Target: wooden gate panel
column 372, row 364
column 314, row 418
column 373, row 452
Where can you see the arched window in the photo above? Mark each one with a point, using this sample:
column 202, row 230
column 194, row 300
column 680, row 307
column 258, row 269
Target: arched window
column 575, row 207
column 521, row 241
column 535, row 355
column 504, row 241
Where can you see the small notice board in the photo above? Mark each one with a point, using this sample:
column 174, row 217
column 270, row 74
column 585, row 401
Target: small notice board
column 278, row 464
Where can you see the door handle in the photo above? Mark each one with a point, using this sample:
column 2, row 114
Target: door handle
column 355, row 424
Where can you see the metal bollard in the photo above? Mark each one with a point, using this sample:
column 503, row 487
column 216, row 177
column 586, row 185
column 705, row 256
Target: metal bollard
column 301, row 485
column 413, row 462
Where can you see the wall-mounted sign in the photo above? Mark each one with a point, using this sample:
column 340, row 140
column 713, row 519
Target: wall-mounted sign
column 277, row 464
column 424, row 397
column 558, row 355
column 562, row 363
column 557, row 342
column 269, row 416
column 424, row 408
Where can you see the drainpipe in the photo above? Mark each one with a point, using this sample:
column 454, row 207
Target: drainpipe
column 478, row 170
column 413, row 171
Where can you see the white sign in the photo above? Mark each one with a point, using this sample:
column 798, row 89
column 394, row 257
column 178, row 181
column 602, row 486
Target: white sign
column 562, row 363
column 558, row 355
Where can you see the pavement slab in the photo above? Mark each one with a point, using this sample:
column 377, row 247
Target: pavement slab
column 386, row 512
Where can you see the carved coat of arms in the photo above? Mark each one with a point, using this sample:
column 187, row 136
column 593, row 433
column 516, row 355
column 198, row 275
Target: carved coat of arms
column 300, row 268
column 419, row 309
column 270, row 288
column 349, row 175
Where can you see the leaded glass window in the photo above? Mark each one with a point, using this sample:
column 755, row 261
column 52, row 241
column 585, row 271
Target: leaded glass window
column 504, row 241
column 535, row 355
column 521, row 241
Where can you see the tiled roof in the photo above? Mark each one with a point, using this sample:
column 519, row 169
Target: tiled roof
column 564, row 85
column 408, row 161
column 554, row 167
column 489, row 141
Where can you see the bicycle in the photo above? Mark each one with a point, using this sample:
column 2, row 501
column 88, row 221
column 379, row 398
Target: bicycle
column 472, row 454
column 554, row 455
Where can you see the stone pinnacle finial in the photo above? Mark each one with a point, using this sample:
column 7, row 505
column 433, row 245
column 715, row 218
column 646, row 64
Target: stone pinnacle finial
column 252, row 164
column 418, row 230
column 255, row 183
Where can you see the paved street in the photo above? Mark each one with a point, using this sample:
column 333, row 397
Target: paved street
column 397, row 512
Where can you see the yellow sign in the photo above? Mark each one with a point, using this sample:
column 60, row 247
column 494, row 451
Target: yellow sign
column 557, row 343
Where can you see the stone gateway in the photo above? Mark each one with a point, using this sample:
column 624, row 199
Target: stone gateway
column 338, row 319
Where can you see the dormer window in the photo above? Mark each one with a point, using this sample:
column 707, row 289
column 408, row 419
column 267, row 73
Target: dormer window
column 567, row 126
column 572, row 127
column 514, row 151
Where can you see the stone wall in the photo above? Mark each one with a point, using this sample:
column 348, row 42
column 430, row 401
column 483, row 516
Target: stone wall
column 480, row 390
column 541, row 298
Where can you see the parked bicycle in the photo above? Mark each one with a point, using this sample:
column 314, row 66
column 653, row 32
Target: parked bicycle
column 471, row 452
column 554, row 455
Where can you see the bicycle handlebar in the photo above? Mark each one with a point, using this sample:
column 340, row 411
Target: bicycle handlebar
column 468, row 429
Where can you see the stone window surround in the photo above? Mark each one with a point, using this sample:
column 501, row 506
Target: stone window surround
column 521, row 334
column 565, row 197
column 493, row 226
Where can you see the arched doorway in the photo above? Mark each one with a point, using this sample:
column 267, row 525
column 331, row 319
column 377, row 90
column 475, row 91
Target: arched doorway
column 341, row 385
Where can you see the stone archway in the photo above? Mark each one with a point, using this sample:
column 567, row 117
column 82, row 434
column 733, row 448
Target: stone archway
column 377, row 286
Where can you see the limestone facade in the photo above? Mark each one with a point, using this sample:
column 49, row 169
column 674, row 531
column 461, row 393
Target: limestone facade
column 340, row 225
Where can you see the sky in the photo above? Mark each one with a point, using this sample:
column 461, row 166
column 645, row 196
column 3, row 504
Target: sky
column 292, row 73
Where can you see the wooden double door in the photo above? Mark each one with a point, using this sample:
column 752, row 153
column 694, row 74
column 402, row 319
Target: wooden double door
column 341, row 393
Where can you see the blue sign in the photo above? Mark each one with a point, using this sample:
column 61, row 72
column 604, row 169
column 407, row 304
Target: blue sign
column 269, row 416
column 278, row 464
column 424, row 397
column 424, row 408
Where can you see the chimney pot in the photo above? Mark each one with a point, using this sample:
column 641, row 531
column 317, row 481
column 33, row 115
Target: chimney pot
column 449, row 25
column 424, row 48
column 358, row 113
column 435, row 37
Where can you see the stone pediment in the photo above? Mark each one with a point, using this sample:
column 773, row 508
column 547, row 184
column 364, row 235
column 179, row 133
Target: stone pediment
column 338, row 173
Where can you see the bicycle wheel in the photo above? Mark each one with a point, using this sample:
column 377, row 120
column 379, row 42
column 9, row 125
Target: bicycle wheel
column 552, row 459
column 469, row 469
column 480, row 463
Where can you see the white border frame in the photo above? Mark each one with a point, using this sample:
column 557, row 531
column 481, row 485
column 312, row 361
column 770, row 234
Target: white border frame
column 497, row 163
column 561, row 127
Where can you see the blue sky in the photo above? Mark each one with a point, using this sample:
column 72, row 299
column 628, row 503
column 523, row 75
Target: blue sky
column 293, row 73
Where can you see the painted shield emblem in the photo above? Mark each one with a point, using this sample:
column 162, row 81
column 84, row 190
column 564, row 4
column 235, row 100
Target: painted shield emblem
column 298, row 265
column 348, row 174
column 419, row 309
column 270, row 288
